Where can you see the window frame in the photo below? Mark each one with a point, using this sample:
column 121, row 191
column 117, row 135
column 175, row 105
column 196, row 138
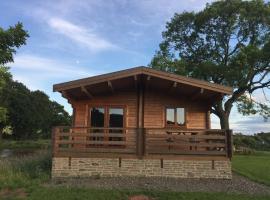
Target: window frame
column 175, row 117
column 106, row 114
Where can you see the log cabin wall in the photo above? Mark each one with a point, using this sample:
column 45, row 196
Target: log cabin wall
column 154, row 111
column 197, row 116
column 126, row 99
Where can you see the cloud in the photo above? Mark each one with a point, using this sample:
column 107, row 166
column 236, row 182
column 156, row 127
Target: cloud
column 80, row 35
column 37, row 64
column 38, row 72
column 244, row 124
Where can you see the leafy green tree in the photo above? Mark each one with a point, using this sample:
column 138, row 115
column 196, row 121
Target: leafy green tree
column 20, row 113
column 5, row 77
column 59, row 116
column 10, row 39
column 31, row 114
column 226, row 43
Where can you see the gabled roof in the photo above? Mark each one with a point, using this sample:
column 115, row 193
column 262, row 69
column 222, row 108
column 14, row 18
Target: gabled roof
column 142, row 71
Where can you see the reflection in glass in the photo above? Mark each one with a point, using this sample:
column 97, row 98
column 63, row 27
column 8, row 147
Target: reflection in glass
column 97, row 117
column 180, row 113
column 116, row 117
column 170, row 116
column 116, row 120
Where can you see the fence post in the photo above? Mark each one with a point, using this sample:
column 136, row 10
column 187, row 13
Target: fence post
column 53, row 141
column 229, row 143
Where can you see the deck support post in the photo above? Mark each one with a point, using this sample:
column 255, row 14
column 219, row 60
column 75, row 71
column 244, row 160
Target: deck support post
column 140, row 142
column 140, row 120
column 54, row 132
column 229, row 143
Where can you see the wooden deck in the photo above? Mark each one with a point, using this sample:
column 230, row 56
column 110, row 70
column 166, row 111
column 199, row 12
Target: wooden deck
column 132, row 142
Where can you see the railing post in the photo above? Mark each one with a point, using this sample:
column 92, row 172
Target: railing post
column 140, row 142
column 54, row 129
column 229, row 143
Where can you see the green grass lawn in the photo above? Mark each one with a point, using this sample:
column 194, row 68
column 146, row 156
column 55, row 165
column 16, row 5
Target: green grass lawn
column 255, row 166
column 25, row 144
column 97, row 194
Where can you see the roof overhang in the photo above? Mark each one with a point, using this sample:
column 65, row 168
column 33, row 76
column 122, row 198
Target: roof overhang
column 124, row 78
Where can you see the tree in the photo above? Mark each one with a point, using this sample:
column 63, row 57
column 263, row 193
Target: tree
column 5, row 77
column 226, row 43
column 31, row 114
column 10, row 39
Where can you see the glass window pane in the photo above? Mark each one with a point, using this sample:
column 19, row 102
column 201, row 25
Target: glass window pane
column 180, row 112
column 116, row 118
column 97, row 117
column 170, row 116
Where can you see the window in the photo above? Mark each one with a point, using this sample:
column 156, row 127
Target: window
column 106, row 117
column 170, row 116
column 175, row 116
column 180, row 116
column 104, row 121
column 116, row 117
column 97, row 117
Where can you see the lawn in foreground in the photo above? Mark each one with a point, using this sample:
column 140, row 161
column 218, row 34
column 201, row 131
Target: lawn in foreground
column 60, row 193
column 30, row 175
column 255, row 166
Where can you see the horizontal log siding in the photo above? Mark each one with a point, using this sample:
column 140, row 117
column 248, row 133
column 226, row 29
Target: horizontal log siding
column 127, row 99
column 154, row 111
column 79, row 115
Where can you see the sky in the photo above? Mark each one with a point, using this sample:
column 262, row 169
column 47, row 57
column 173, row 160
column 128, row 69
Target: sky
column 72, row 39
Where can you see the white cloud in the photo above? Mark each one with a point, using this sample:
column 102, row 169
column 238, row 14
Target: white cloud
column 47, row 66
column 80, row 35
column 41, row 73
column 243, row 124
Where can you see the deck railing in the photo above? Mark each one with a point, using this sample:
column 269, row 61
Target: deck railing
column 94, row 140
column 155, row 141
column 187, row 142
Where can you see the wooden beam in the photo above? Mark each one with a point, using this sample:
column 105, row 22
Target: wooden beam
column 136, row 82
column 66, row 95
column 83, row 89
column 174, row 85
column 148, row 78
column 110, row 86
column 197, row 94
column 208, row 120
column 202, row 91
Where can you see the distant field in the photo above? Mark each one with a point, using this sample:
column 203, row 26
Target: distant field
column 256, row 166
column 25, row 144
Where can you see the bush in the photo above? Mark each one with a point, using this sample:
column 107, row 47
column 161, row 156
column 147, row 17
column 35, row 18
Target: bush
column 26, row 170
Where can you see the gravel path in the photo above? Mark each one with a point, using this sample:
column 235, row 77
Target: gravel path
column 238, row 184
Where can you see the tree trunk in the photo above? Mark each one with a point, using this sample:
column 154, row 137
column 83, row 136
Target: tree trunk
column 224, row 121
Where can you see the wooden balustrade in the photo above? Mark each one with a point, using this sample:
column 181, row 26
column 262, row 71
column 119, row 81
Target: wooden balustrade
column 186, row 142
column 94, row 140
column 141, row 142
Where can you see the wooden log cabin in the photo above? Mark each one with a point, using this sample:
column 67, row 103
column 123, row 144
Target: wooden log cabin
column 141, row 122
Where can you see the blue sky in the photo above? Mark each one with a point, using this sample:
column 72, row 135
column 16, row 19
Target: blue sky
column 72, row 39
